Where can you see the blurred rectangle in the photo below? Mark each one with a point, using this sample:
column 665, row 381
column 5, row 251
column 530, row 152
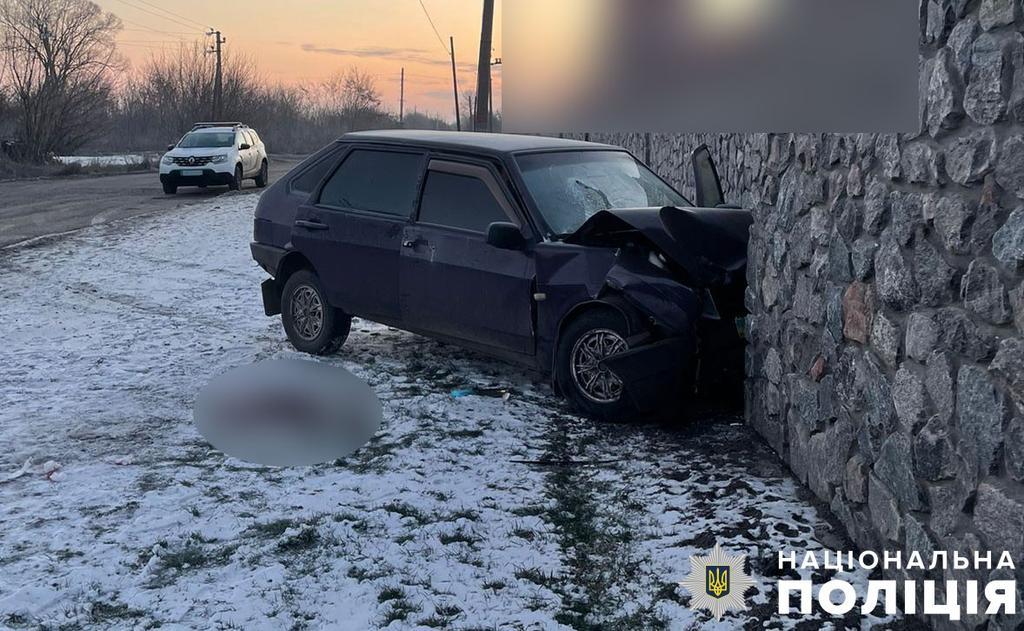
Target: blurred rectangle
column 710, row 66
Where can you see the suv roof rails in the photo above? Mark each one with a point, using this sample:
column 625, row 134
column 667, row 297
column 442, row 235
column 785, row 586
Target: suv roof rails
column 214, row 124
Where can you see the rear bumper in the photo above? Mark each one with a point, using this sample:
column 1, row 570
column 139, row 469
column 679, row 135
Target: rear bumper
column 269, row 258
column 209, row 177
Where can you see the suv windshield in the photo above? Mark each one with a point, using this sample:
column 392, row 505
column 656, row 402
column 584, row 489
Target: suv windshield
column 208, row 139
column 569, row 187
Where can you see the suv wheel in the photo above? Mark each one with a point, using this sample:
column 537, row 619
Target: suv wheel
column 236, row 182
column 312, row 325
column 263, row 176
column 593, row 390
column 170, row 189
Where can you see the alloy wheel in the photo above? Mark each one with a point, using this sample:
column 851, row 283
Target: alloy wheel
column 595, row 382
column 307, row 312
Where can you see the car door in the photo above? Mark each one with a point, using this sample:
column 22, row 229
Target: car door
column 248, row 155
column 451, row 282
column 351, row 228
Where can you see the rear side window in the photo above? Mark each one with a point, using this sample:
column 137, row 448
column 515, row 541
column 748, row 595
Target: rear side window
column 307, row 181
column 377, row 181
column 459, row 201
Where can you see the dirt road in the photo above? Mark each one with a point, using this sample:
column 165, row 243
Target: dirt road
column 34, row 208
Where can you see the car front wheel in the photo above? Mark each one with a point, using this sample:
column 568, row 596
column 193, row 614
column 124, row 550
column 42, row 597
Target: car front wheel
column 170, row 189
column 236, row 181
column 263, row 176
column 312, row 325
column 591, row 388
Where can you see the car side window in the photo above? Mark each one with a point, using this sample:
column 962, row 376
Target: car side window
column 255, row 137
column 377, row 181
column 306, row 181
column 459, row 201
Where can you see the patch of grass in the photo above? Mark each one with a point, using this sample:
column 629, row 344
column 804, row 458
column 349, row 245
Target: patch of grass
column 399, row 610
column 306, row 538
column 535, row 576
column 271, row 529
column 465, row 513
column 105, row 612
column 16, row 620
column 529, row 511
column 190, row 556
column 466, row 433
column 524, row 533
column 390, row 593
column 459, row 536
column 495, row 585
column 407, row 511
column 448, row 611
column 406, row 538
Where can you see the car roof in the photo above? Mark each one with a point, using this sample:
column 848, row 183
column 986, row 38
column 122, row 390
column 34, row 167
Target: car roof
column 475, row 142
column 212, row 130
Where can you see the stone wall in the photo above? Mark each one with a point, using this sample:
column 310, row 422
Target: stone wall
column 886, row 363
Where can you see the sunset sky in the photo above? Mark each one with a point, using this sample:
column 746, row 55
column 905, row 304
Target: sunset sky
column 306, row 40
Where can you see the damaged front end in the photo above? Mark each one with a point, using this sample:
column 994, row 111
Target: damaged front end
column 682, row 271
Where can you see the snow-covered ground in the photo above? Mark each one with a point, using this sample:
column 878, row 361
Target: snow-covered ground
column 468, row 512
column 119, row 160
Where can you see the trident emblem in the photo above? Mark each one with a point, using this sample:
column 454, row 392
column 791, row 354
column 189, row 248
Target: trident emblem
column 717, row 580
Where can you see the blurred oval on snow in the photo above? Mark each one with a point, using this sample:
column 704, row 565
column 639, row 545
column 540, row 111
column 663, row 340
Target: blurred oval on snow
column 288, row 413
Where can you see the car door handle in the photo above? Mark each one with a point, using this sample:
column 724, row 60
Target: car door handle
column 311, row 225
column 411, row 243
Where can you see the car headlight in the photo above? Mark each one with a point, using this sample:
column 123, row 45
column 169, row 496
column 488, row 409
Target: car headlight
column 167, row 159
column 218, row 159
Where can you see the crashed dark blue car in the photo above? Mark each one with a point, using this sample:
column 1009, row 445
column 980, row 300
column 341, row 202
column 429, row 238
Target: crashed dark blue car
column 571, row 257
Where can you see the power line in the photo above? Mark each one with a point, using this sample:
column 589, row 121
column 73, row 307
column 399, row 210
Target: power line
column 154, row 13
column 144, row 27
column 168, row 11
column 433, row 26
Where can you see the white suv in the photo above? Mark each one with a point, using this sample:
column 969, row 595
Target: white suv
column 215, row 153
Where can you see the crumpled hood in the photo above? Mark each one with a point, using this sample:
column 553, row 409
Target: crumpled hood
column 708, row 243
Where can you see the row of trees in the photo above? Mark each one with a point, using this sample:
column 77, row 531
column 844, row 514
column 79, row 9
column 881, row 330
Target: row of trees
column 64, row 86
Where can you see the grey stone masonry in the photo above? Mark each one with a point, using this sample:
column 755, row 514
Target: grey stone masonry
column 899, row 259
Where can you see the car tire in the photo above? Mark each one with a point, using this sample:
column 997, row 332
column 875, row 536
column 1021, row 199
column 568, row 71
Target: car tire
column 603, row 398
column 236, row 181
column 263, row 176
column 170, row 189
column 312, row 325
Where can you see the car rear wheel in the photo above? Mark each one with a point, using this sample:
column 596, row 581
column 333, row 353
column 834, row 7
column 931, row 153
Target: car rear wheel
column 236, row 181
column 313, row 326
column 263, row 176
column 592, row 389
column 170, row 189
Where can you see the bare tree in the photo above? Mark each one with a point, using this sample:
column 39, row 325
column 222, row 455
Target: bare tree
column 58, row 57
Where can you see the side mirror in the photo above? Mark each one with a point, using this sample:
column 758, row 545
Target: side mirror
column 505, row 236
column 244, row 146
column 705, row 177
column 170, row 147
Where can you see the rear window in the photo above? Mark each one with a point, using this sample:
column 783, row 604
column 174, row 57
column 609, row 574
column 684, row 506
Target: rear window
column 459, row 201
column 377, row 181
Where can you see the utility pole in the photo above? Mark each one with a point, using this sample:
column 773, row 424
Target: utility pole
column 217, row 83
column 483, row 73
column 490, row 101
column 455, row 85
column 401, row 101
